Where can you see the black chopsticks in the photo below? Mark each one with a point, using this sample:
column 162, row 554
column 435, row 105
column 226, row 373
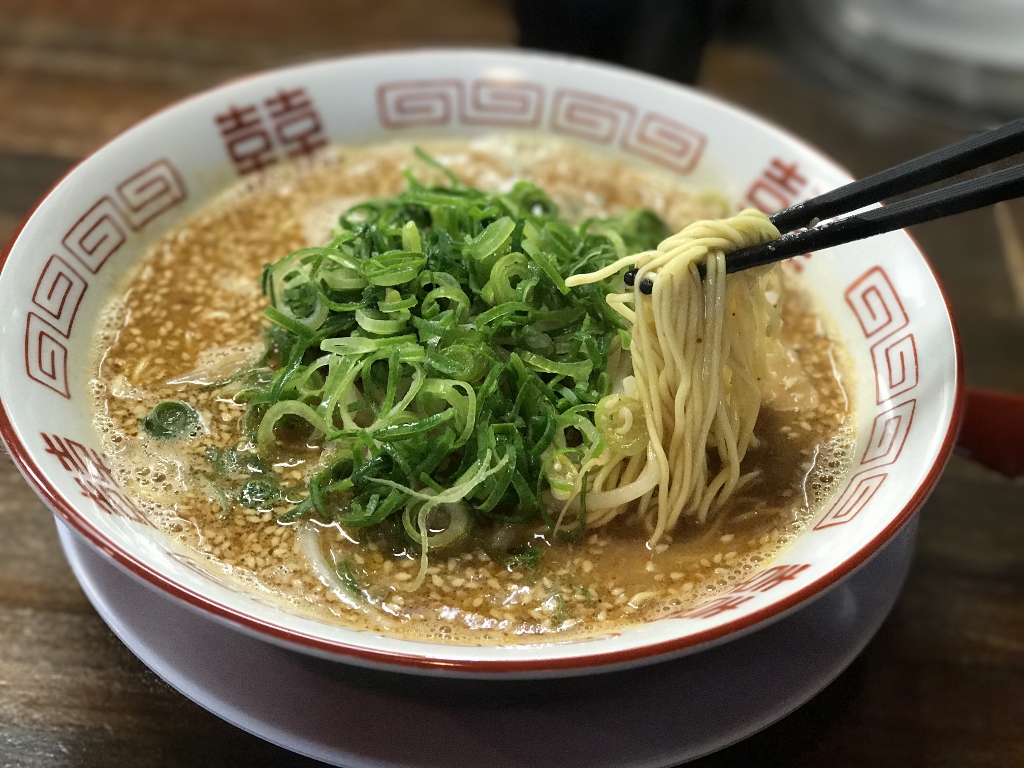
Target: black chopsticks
column 906, row 177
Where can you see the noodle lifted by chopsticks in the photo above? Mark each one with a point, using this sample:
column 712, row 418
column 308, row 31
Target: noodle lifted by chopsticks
column 701, row 349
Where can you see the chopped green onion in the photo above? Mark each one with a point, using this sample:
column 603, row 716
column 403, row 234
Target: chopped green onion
column 440, row 362
column 172, row 420
column 393, row 268
column 411, row 238
column 259, row 494
column 454, row 521
column 265, row 436
column 620, row 420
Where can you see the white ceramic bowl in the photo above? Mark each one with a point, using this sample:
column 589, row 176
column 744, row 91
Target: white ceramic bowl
column 96, row 222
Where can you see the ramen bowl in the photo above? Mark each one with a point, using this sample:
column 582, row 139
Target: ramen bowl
column 73, row 251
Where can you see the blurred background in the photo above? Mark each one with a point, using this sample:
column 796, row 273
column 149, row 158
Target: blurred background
column 871, row 82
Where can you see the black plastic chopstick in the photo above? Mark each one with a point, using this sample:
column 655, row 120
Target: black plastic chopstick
column 965, row 155
column 965, row 196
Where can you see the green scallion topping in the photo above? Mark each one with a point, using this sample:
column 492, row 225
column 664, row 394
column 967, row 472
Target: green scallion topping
column 259, row 494
column 172, row 420
column 434, row 354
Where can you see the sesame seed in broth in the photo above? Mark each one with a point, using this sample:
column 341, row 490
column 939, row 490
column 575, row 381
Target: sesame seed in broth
column 190, row 315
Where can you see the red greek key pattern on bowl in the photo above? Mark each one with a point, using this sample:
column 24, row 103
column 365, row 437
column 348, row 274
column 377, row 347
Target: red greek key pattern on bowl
column 877, row 307
column 853, row 499
column 519, row 104
column 93, row 476
column 876, row 304
column 95, row 237
column 654, row 137
column 425, row 103
column 590, row 117
column 58, row 293
column 889, row 434
column 666, row 142
column 896, row 368
column 150, row 192
column 503, row 103
column 46, row 356
column 419, row 103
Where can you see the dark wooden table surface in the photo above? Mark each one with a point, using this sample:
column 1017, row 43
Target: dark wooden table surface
column 942, row 684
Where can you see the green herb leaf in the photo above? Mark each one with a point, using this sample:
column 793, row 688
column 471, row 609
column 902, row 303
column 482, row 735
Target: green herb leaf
column 259, row 494
column 172, row 420
column 434, row 352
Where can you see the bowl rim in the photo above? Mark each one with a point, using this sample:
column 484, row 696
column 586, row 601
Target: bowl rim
column 409, row 662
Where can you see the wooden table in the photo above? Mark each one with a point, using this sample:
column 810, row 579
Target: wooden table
column 941, row 684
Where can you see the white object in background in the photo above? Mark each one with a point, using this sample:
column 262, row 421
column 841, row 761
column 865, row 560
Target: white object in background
column 986, row 32
column 964, row 54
